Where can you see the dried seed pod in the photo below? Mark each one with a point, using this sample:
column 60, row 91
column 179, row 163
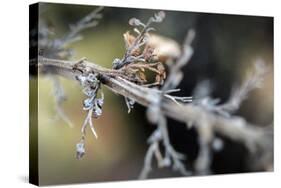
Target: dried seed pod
column 97, row 112
column 92, row 78
column 135, row 22
column 88, row 104
column 116, row 64
column 100, row 102
column 80, row 149
column 130, row 104
column 159, row 17
column 82, row 79
column 88, row 91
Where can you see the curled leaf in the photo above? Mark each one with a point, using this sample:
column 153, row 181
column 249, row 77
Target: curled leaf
column 129, row 39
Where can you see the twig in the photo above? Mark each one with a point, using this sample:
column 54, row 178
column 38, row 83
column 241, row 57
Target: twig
column 60, row 97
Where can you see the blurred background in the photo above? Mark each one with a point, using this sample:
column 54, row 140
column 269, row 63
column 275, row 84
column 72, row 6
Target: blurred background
column 226, row 46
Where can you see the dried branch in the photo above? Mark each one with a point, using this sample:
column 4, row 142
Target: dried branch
column 253, row 137
column 90, row 20
column 175, row 74
column 56, row 47
column 254, row 80
column 156, row 116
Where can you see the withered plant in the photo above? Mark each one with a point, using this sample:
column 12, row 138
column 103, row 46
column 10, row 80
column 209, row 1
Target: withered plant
column 149, row 77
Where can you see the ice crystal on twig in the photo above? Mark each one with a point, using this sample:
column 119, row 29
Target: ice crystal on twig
column 92, row 104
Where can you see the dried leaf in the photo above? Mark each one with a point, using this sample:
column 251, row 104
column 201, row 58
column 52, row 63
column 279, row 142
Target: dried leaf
column 129, row 39
column 148, row 52
column 164, row 48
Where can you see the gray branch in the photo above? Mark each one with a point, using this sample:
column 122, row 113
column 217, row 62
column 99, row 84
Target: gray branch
column 236, row 128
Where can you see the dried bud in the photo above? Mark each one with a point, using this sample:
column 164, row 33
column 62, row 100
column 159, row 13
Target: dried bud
column 89, row 91
column 159, row 17
column 80, row 150
column 92, row 78
column 135, row 22
column 97, row 112
column 130, row 104
column 99, row 102
column 116, row 64
column 88, row 104
column 82, row 79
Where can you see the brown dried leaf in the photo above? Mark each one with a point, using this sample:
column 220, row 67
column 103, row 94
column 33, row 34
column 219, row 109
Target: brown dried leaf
column 164, row 48
column 142, row 69
column 148, row 52
column 129, row 39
